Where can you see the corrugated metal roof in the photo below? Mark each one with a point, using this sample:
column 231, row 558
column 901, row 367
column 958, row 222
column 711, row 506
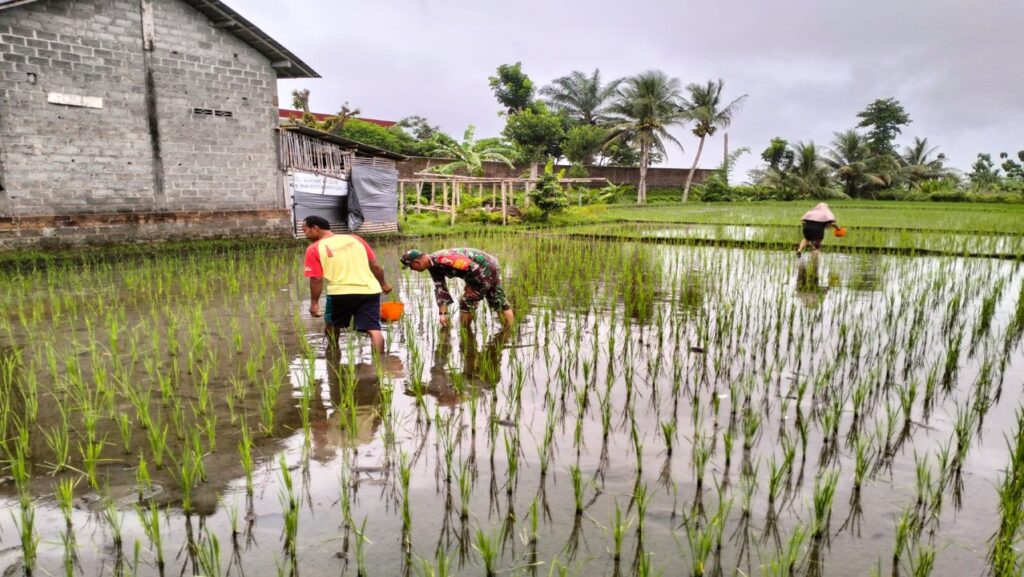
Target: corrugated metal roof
column 340, row 140
column 286, row 64
column 289, row 114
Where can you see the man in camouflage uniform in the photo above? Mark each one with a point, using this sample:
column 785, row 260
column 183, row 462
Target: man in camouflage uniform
column 478, row 269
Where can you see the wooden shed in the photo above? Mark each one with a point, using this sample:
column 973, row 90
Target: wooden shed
column 351, row 184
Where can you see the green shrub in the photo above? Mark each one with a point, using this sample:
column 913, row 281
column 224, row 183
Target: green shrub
column 532, row 214
column 663, row 194
column 943, row 185
column 587, row 213
column 891, row 194
column 1014, row 188
column 715, row 189
column 620, row 193
column 950, row 196
column 588, row 196
column 548, row 196
column 480, row 216
column 752, row 192
column 577, row 171
column 392, row 139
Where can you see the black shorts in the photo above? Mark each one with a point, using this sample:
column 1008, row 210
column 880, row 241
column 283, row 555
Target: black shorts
column 815, row 231
column 364, row 309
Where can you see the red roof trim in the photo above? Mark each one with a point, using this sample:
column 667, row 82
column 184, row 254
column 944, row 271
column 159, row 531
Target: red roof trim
column 290, row 114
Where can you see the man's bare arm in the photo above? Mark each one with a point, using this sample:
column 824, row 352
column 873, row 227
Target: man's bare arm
column 316, row 287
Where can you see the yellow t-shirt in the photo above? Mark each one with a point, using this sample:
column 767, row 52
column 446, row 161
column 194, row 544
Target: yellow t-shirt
column 343, row 261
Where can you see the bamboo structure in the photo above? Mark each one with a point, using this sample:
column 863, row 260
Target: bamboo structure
column 301, row 152
column 453, row 186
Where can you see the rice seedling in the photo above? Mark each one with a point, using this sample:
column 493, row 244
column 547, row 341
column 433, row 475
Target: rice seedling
column 1004, row 558
column 65, row 493
column 619, row 526
column 359, row 549
column 727, row 443
column 157, row 442
column 25, row 522
column 576, row 477
column 751, row 429
column 922, row 563
column 92, row 452
column 465, row 481
column 673, row 340
column 59, row 441
column 701, row 455
column 290, row 509
column 486, row 546
column 642, row 499
column 702, row 539
column 208, row 554
column 824, row 491
column 534, row 522
column 441, row 566
column 245, row 450
column 210, row 429
column 268, row 401
column 903, row 530
column 923, row 483
column 114, row 520
column 68, row 539
column 791, row 555
column 404, row 477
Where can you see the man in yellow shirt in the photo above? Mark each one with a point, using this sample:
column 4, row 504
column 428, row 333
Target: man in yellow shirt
column 344, row 266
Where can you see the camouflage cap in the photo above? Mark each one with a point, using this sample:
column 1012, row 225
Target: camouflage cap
column 410, row 256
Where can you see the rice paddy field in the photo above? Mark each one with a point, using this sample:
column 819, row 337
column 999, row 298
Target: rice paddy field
column 674, row 408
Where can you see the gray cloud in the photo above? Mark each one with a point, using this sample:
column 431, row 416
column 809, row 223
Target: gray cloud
column 808, row 66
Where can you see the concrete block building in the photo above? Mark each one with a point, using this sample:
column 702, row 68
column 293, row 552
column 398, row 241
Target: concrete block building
column 138, row 119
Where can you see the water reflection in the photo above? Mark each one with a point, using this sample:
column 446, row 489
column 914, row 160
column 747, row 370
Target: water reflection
column 481, row 366
column 809, row 289
column 865, row 274
column 352, row 415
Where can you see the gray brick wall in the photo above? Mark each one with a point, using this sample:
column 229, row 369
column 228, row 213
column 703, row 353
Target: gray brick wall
column 59, row 159
column 65, row 160
column 213, row 161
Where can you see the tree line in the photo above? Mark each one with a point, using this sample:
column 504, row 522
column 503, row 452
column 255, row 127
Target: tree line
column 586, row 120
column 865, row 162
column 578, row 117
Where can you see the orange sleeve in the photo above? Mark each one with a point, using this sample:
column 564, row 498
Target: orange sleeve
column 313, row 267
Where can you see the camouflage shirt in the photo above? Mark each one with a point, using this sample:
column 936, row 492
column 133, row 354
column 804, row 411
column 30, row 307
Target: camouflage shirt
column 477, row 268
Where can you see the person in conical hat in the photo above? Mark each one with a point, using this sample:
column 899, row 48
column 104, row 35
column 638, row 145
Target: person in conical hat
column 815, row 222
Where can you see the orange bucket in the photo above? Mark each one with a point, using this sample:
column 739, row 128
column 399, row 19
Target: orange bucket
column 391, row 311
column 839, row 231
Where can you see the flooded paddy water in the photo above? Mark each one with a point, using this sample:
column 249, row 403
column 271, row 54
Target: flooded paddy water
column 658, row 409
column 866, row 239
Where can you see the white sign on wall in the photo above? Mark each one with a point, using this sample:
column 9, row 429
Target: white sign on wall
column 317, row 184
column 74, row 100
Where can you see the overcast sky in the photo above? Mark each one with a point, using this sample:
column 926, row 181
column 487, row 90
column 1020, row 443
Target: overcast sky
column 808, row 66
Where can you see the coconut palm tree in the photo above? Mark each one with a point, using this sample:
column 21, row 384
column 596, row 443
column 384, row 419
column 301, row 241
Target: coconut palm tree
column 806, row 176
column 645, row 106
column 470, row 154
column 918, row 165
column 810, row 175
column 851, row 159
column 584, row 98
column 704, row 106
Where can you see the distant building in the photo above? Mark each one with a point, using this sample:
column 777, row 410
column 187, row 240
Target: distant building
column 138, row 119
column 289, row 114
